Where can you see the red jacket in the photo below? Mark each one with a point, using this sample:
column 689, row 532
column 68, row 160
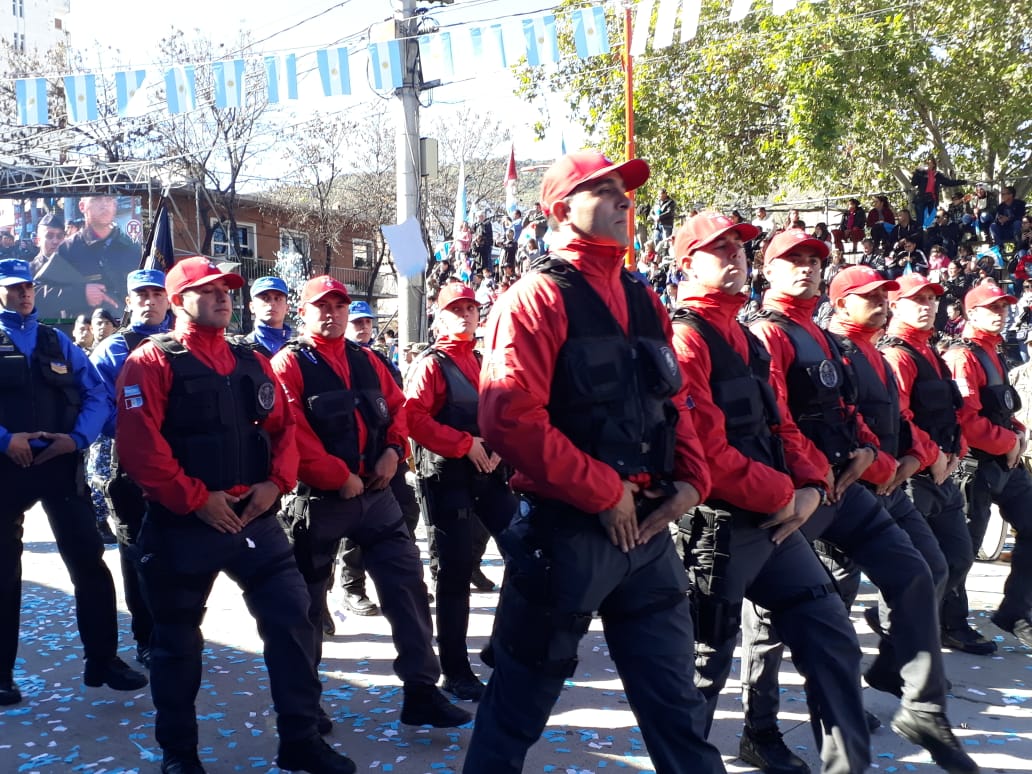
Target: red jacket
column 922, row 449
column 425, row 394
column 737, row 479
column 979, row 432
column 782, row 354
column 144, row 452
column 525, row 332
column 905, row 371
column 319, row 469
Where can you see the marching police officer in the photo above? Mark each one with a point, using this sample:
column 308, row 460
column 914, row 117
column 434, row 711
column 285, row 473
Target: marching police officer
column 269, row 309
column 859, row 295
column 993, row 472
column 929, row 399
column 351, row 436
column 148, row 307
column 809, row 377
column 580, row 394
column 52, row 406
column 464, row 483
column 743, row 541
column 220, row 452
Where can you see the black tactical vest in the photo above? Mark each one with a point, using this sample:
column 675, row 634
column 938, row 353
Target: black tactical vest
column 38, row 393
column 250, row 341
column 877, row 401
column 459, row 411
column 330, row 406
column 742, row 392
column 611, row 392
column 999, row 399
column 934, row 399
column 213, row 423
column 819, row 390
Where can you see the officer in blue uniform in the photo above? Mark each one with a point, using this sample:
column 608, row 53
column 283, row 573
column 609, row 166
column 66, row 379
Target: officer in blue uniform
column 52, row 406
column 269, row 308
column 148, row 307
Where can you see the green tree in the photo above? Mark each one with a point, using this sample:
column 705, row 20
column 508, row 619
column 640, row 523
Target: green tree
column 835, row 97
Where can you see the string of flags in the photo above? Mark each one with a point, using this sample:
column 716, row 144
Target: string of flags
column 443, row 55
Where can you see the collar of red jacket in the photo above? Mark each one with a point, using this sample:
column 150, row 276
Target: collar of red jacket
column 988, row 341
column 451, row 345
column 798, row 309
column 200, row 336
column 864, row 335
column 713, row 305
column 325, row 345
column 910, row 334
column 589, row 257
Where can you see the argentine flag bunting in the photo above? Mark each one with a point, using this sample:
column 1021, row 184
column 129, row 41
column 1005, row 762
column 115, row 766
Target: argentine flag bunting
column 281, row 75
column 180, row 91
column 334, row 71
column 229, row 83
column 666, row 16
column 385, row 58
column 690, row 19
column 127, row 83
column 783, row 6
column 542, row 46
column 81, row 97
column 590, row 34
column 739, row 10
column 435, row 56
column 31, row 95
column 640, row 31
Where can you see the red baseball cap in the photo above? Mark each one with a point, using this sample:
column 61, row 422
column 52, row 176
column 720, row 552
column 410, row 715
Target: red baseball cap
column 707, row 227
column 914, row 283
column 322, row 286
column 986, row 294
column 455, row 291
column 858, row 280
column 573, row 169
column 794, row 239
column 198, row 270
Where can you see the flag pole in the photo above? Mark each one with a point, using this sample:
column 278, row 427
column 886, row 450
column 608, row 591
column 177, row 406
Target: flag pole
column 630, row 259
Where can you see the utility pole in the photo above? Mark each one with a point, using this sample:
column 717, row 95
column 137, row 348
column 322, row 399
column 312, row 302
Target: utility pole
column 411, row 302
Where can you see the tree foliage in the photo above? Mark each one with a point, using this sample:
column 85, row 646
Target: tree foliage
column 834, row 97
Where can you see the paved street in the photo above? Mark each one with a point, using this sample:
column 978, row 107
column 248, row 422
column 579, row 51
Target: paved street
column 62, row 726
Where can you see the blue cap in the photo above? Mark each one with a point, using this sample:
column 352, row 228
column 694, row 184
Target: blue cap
column 14, row 272
column 145, row 278
column 263, row 284
column 359, row 310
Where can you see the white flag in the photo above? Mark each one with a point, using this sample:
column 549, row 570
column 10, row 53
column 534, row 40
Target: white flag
column 640, row 31
column 739, row 10
column 690, row 19
column 665, row 19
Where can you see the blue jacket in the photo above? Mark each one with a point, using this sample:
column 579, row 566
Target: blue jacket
column 109, row 357
column 96, row 405
column 272, row 339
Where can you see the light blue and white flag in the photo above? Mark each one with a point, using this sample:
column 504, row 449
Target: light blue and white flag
column 435, row 56
column 81, row 97
column 180, row 89
column 281, row 75
column 127, row 84
column 590, row 34
column 385, row 58
column 31, row 95
column 488, row 47
column 334, row 71
column 229, row 83
column 542, row 45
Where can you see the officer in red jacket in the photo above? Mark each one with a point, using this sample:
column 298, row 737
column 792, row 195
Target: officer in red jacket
column 929, row 400
column 464, row 480
column 813, row 384
column 993, row 472
column 220, row 452
column 581, row 394
column 743, row 541
column 351, row 434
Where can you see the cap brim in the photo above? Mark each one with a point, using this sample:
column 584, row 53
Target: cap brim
column 360, row 316
column 935, row 287
column 634, row 173
column 990, row 301
column 746, row 231
column 870, row 287
column 8, row 281
column 140, row 285
column 234, row 280
column 322, row 294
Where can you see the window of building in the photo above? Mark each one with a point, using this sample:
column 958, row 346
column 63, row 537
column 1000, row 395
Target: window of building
column 221, row 244
column 294, row 242
column 362, row 253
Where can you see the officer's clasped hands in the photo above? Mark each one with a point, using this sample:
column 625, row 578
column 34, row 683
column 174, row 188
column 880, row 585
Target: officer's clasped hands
column 794, row 515
column 384, row 470
column 60, row 443
column 1016, row 451
column 906, row 466
column 218, row 513
column 353, row 487
column 18, row 448
column 685, row 498
column 261, row 497
column 477, row 454
column 859, row 461
column 621, row 521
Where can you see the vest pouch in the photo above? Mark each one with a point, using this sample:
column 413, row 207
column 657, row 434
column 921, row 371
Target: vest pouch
column 334, row 410
column 260, row 395
column 14, row 372
column 999, row 402
column 591, row 370
column 661, row 374
column 197, row 406
column 204, row 457
column 58, row 373
column 742, row 405
column 770, row 403
column 828, row 379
